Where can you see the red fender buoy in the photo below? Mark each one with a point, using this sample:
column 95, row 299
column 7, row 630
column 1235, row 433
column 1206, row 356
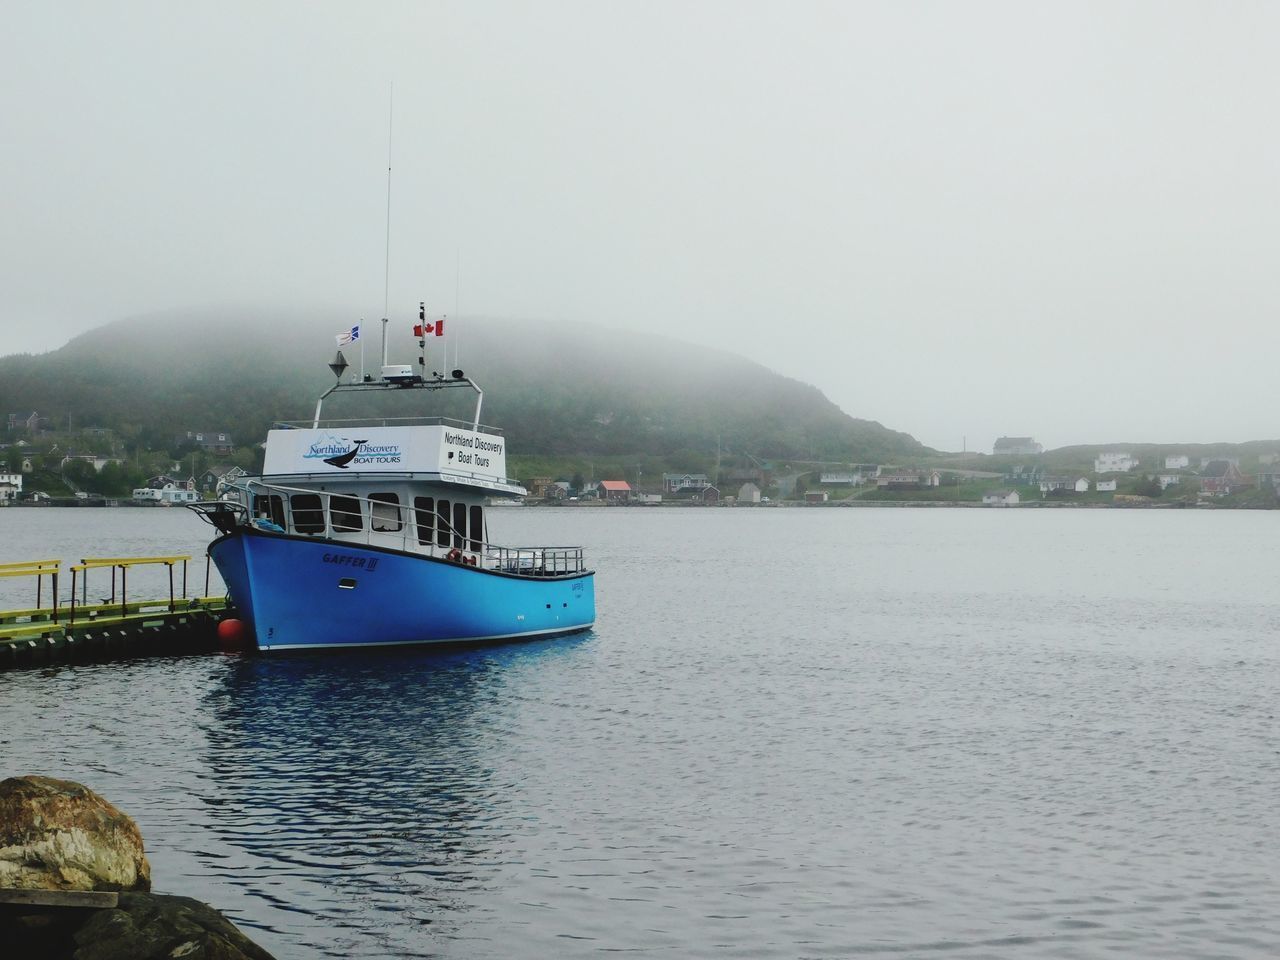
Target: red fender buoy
column 231, row 635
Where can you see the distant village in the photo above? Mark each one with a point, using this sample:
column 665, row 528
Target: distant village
column 43, row 463
column 1114, row 478
column 1126, row 477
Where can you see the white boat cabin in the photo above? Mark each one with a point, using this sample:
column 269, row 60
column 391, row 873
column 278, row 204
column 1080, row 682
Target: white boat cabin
column 418, row 485
column 421, row 488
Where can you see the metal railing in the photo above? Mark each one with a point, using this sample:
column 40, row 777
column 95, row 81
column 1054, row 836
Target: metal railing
column 38, row 569
column 123, row 564
column 537, row 561
column 330, row 424
column 482, row 481
column 407, row 535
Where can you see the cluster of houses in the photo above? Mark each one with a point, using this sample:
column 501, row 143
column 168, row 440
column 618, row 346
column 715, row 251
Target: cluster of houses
column 27, row 458
column 745, row 488
column 1213, row 476
column 166, row 489
column 21, row 429
column 162, row 489
column 690, row 487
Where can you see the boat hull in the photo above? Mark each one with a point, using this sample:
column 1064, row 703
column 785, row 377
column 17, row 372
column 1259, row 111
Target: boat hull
column 306, row 593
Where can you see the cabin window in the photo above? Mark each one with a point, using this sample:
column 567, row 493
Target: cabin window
column 477, row 528
column 424, row 509
column 442, row 523
column 308, row 513
column 460, row 525
column 270, row 507
column 344, row 514
column 384, row 512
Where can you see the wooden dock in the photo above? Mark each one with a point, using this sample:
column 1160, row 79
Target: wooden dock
column 73, row 630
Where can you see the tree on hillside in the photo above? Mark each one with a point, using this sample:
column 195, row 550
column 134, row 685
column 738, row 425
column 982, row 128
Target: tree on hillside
column 1148, row 487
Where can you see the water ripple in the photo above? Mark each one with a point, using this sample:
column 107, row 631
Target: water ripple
column 909, row 733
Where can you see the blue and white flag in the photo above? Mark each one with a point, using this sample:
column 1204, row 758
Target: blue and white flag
column 351, row 336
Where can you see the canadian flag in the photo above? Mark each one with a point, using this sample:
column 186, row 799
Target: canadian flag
column 424, row 329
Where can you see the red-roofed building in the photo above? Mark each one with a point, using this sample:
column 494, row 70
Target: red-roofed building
column 614, row 491
column 1221, row 477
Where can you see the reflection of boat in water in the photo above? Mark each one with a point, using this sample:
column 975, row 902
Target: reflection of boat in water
column 345, row 802
column 363, row 533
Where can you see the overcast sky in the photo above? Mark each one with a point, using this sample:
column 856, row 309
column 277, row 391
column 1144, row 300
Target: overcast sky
column 961, row 219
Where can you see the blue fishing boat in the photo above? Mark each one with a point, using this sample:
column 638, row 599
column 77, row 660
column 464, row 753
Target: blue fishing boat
column 375, row 532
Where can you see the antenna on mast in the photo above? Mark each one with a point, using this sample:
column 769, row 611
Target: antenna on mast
column 457, row 282
column 386, row 273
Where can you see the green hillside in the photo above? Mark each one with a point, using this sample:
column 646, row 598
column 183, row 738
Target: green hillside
column 557, row 390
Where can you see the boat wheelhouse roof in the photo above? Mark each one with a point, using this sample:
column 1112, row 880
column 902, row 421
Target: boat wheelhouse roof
column 422, row 449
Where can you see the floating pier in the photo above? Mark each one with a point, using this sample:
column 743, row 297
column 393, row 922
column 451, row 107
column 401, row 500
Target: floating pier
column 116, row 628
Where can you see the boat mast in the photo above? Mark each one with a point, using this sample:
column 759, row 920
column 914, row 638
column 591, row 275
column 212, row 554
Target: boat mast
column 386, row 268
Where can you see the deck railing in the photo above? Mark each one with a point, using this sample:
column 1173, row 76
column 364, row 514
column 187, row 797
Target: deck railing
column 536, row 561
column 330, row 424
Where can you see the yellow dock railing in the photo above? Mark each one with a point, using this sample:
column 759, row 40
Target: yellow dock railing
column 38, row 569
column 81, row 570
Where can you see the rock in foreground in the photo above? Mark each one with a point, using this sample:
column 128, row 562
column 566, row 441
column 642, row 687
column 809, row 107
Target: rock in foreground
column 152, row 927
column 58, row 835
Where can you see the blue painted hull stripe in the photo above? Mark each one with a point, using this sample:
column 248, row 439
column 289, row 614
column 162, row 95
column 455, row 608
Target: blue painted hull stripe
column 454, row 641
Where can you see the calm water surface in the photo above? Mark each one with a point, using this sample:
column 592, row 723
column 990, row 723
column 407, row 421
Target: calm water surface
column 793, row 733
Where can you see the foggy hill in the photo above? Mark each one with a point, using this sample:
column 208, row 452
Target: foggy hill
column 554, row 388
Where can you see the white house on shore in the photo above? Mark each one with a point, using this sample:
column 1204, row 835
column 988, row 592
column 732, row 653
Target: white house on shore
column 10, row 486
column 1114, row 463
column 676, row 482
column 169, row 493
column 748, row 493
column 1001, row 498
column 1076, row 484
column 1105, row 486
column 1178, row 462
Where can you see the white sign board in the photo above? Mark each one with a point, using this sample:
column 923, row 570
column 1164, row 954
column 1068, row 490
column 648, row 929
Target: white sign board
column 444, row 450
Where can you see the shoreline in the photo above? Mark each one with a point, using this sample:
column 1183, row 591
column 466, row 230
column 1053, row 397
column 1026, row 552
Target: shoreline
column 776, row 504
column 881, row 504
